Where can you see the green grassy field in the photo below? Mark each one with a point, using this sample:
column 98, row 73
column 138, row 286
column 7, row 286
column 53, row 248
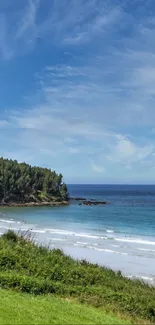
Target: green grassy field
column 19, row 308
column 28, row 268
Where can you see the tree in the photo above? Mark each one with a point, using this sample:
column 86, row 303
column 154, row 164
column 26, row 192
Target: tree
column 64, row 192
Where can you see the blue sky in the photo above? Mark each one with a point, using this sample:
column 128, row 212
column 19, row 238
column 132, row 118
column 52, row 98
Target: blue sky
column 77, row 87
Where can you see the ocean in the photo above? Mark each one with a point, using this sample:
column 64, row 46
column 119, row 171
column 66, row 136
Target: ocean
column 119, row 235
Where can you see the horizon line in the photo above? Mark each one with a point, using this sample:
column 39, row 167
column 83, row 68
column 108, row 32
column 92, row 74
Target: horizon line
column 118, row 184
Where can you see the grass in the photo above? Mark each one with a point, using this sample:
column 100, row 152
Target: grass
column 28, row 268
column 19, row 308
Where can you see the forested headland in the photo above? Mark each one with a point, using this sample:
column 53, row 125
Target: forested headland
column 21, row 183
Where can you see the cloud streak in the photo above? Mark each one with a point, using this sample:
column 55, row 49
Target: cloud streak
column 98, row 169
column 27, row 23
column 63, row 22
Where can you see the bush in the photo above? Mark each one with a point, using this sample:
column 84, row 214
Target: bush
column 10, row 235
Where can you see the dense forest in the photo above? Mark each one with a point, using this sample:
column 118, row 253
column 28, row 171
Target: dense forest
column 20, row 182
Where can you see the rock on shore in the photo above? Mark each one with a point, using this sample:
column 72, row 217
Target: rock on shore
column 92, row 202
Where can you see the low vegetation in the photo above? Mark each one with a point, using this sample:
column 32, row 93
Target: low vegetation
column 20, row 182
column 19, row 308
column 28, row 268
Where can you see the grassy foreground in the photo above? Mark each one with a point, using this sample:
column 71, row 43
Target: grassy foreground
column 25, row 267
column 19, row 308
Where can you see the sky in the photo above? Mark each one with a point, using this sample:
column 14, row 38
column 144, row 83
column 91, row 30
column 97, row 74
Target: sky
column 77, row 88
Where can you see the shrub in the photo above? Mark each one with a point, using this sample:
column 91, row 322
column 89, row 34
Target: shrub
column 10, row 235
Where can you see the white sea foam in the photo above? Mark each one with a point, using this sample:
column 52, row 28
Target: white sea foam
column 57, row 239
column 109, row 231
column 87, row 236
column 106, row 250
column 12, row 228
column 146, row 249
column 61, row 232
column 38, row 231
column 145, row 278
column 3, row 227
column 135, row 240
column 7, row 221
column 81, row 235
column 82, row 243
column 115, row 246
column 71, row 233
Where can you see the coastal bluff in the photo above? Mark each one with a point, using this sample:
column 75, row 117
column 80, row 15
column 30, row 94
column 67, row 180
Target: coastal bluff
column 24, row 185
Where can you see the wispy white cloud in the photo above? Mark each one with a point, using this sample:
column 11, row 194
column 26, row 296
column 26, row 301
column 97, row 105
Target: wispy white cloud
column 73, row 150
column 59, row 22
column 17, row 28
column 99, row 23
column 26, row 27
column 5, row 50
column 126, row 152
column 4, row 123
column 97, row 168
column 82, row 115
column 78, row 38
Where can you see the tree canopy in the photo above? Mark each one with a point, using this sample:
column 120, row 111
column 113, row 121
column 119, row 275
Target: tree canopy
column 20, row 182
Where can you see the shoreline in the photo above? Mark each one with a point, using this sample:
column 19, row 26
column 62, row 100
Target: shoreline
column 34, row 204
column 133, row 260
column 81, row 201
column 112, row 262
column 105, row 243
column 105, row 259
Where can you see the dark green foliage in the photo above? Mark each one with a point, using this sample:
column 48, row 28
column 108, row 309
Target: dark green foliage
column 10, row 235
column 24, row 183
column 38, row 270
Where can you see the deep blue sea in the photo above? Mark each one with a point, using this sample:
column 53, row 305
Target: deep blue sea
column 119, row 235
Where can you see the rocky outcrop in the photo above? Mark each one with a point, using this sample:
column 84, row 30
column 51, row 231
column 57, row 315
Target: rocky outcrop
column 35, row 204
column 93, row 202
column 87, row 202
column 77, row 199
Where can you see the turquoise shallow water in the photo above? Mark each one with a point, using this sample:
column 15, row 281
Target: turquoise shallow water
column 120, row 234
